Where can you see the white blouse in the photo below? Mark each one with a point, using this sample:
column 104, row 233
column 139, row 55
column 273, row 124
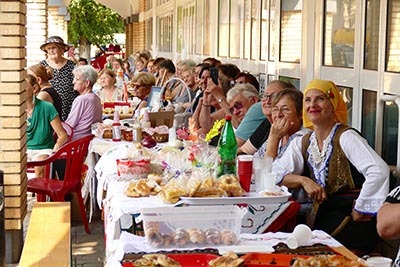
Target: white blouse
column 359, row 153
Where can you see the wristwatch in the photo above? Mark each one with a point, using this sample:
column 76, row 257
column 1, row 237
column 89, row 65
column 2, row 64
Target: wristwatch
column 220, row 99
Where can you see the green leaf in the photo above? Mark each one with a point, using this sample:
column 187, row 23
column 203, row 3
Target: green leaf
column 93, row 21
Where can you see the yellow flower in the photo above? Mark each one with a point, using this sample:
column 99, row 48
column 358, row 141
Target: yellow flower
column 215, row 130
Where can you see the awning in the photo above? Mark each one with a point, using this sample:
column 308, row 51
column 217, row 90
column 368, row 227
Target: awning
column 123, row 7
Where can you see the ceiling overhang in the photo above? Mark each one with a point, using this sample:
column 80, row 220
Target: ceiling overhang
column 125, row 8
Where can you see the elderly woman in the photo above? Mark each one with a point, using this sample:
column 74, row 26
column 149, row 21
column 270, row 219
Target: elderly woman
column 260, row 135
column 337, row 169
column 62, row 71
column 47, row 92
column 287, row 123
column 42, row 120
column 141, row 85
column 108, row 91
column 86, row 108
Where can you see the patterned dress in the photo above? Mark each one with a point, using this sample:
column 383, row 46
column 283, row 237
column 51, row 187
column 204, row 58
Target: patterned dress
column 62, row 82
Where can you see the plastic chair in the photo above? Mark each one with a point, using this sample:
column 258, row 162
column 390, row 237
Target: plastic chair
column 74, row 154
column 70, row 133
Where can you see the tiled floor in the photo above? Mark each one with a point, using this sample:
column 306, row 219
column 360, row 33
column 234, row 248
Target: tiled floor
column 87, row 250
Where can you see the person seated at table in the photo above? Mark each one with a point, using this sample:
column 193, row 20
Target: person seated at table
column 86, row 108
column 141, row 85
column 287, row 123
column 240, row 98
column 215, row 96
column 203, row 75
column 121, row 76
column 188, row 76
column 108, row 91
column 42, row 121
column 47, row 92
column 258, row 135
column 245, row 77
column 388, row 219
column 140, row 65
column 344, row 177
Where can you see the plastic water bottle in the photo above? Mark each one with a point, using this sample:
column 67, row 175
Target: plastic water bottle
column 227, row 148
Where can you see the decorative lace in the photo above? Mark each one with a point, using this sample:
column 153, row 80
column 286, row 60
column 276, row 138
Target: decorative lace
column 319, row 160
column 281, row 148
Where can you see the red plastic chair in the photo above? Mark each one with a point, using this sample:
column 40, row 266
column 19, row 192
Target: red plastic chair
column 74, row 154
column 70, row 133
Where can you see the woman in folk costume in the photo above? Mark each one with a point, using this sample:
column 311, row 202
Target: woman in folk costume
column 336, row 170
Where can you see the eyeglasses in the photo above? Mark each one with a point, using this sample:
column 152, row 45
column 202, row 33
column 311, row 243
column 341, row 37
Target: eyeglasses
column 284, row 110
column 266, row 97
column 137, row 85
column 237, row 105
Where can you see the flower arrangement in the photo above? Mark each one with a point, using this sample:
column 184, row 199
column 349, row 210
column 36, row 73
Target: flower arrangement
column 215, row 130
column 330, row 94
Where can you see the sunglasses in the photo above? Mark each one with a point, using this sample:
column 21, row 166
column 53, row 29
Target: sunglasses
column 237, row 105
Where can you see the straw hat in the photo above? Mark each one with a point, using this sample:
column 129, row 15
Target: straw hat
column 54, row 40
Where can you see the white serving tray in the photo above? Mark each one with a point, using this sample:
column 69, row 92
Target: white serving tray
column 247, row 198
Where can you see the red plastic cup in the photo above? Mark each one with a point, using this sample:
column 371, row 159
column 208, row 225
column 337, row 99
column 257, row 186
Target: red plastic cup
column 245, row 171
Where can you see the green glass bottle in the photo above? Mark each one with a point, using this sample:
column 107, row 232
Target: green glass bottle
column 227, row 148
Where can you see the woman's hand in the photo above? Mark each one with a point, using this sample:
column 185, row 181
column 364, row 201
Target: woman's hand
column 361, row 217
column 280, row 128
column 314, row 190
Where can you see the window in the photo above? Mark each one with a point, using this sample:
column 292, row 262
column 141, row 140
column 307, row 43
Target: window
column 149, row 4
column 251, row 29
column 160, row 2
column 389, row 135
column 347, row 94
column 164, row 35
column 149, row 34
column 392, row 50
column 371, row 38
column 368, row 123
column 294, row 81
column 339, row 29
column 186, row 29
column 229, row 28
column 234, row 29
column 247, row 29
column 207, row 28
column 291, row 30
column 223, row 28
column 272, row 32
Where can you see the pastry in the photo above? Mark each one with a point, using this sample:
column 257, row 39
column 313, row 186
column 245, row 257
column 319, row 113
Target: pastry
column 107, row 134
column 160, row 260
column 229, row 259
column 213, row 236
column 181, row 237
column 197, row 236
column 155, row 238
column 328, row 261
column 164, row 260
column 168, row 240
column 209, row 192
column 228, row 237
column 230, row 183
column 142, row 188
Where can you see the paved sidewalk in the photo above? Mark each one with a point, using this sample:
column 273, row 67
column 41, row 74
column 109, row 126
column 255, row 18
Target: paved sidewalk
column 87, row 250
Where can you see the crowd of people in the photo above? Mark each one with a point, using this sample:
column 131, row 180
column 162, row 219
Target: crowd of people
column 340, row 182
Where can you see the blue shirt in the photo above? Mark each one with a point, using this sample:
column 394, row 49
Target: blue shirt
column 253, row 118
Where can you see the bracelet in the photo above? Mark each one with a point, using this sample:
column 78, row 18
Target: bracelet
column 204, row 105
